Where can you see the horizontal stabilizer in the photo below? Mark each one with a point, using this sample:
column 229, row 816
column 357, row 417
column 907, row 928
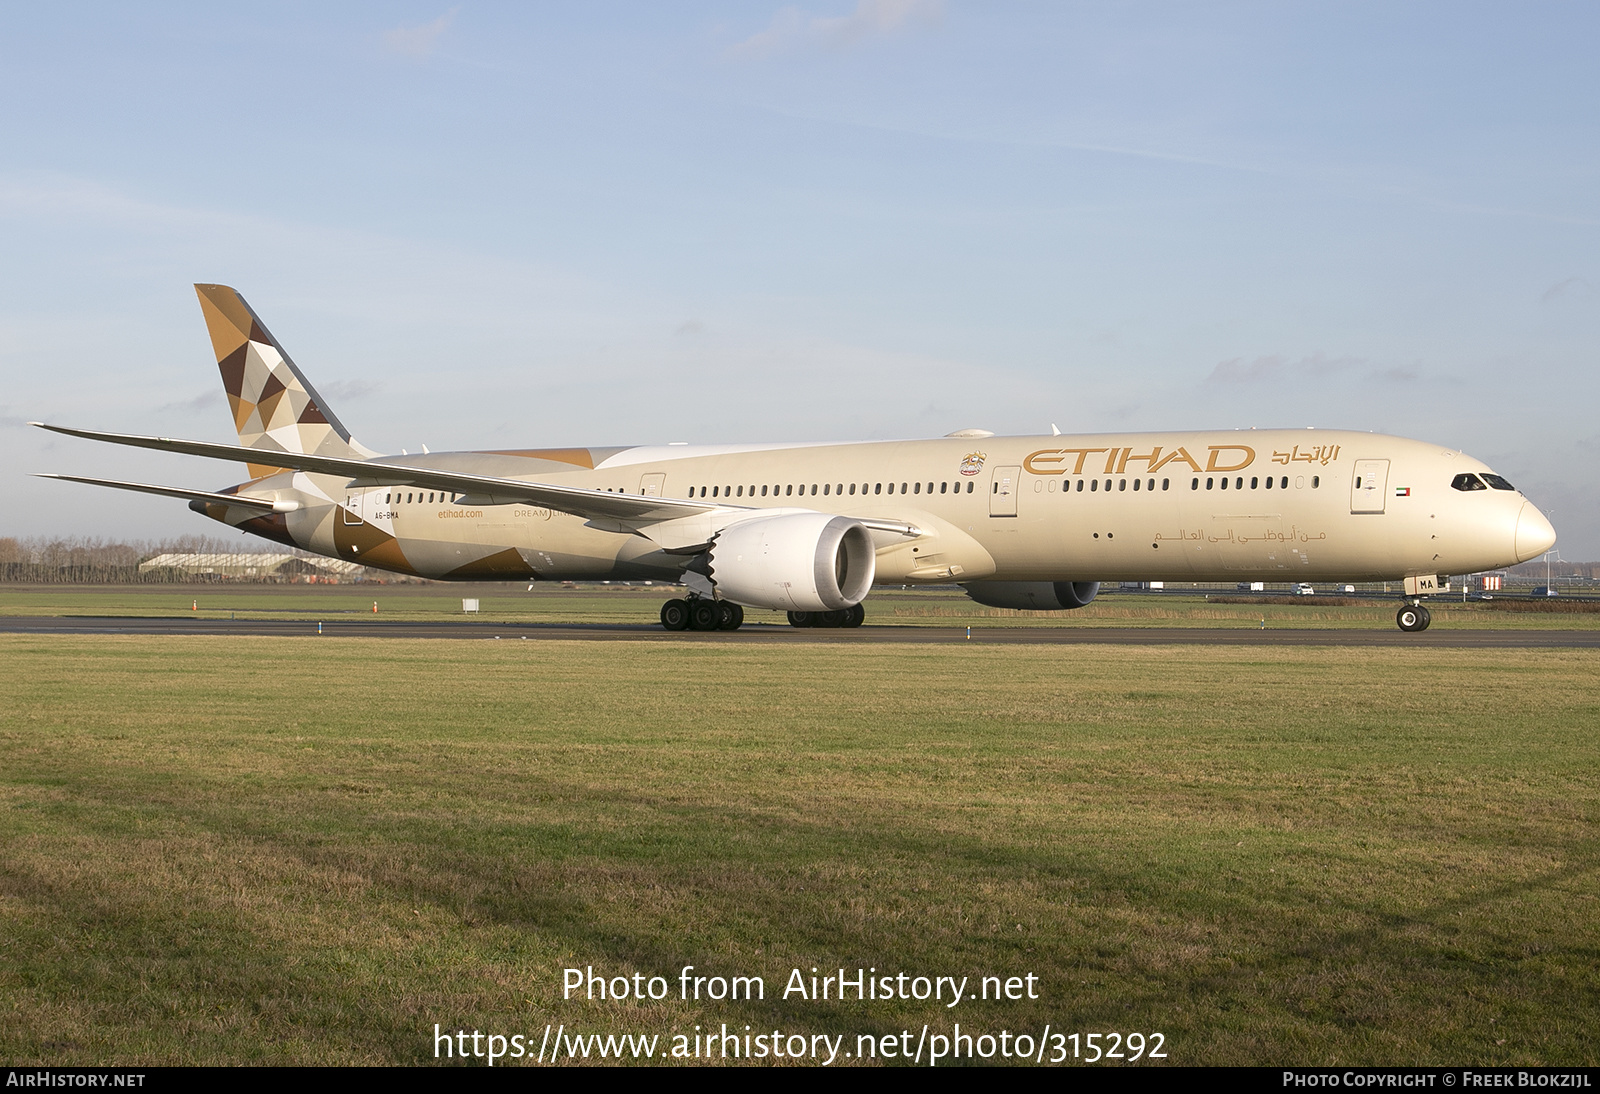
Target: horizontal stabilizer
column 266, row 505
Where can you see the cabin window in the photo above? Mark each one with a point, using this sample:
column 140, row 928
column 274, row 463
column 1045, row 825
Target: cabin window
column 1194, row 484
column 714, row 491
column 944, row 487
column 1164, row 483
column 877, row 488
column 1209, row 483
column 918, row 490
column 1094, row 484
column 825, row 489
column 852, row 489
column 408, row 497
column 1316, row 481
column 787, row 490
column 1269, row 482
column 1238, row 483
column 1122, row 484
column 1224, row 482
column 813, row 488
column 969, row 487
column 902, row 488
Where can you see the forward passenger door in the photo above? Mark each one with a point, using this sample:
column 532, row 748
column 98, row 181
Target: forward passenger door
column 1369, row 485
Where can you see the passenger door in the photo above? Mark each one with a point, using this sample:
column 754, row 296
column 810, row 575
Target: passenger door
column 1003, row 491
column 1369, row 486
column 653, row 484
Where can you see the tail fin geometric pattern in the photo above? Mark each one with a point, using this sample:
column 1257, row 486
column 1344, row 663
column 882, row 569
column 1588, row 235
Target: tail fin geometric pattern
column 274, row 406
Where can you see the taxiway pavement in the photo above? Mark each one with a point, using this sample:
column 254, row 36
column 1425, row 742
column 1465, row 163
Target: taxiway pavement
column 1441, row 638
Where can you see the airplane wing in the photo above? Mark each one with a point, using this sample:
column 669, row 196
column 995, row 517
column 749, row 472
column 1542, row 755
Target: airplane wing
column 264, row 504
column 481, row 489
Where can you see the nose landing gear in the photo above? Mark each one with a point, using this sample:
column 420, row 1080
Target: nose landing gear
column 699, row 614
column 1413, row 617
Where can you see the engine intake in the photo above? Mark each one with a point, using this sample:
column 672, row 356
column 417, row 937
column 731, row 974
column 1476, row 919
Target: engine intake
column 1039, row 596
column 799, row 562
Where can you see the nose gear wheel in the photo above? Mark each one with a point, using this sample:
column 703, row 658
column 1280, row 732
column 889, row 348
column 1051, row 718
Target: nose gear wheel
column 1413, row 617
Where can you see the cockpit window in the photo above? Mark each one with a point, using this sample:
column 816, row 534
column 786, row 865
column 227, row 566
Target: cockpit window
column 1467, row 482
column 1497, row 482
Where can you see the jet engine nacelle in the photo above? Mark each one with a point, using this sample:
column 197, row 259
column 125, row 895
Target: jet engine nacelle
column 1041, row 596
column 800, row 562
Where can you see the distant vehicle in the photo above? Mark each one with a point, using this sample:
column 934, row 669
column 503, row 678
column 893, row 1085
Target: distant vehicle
column 1349, row 588
column 1302, row 589
column 1252, row 586
column 1545, row 590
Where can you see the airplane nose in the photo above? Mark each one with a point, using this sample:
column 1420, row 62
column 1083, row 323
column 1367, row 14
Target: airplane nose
column 1535, row 535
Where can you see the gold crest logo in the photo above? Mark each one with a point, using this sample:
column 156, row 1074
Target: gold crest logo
column 972, row 462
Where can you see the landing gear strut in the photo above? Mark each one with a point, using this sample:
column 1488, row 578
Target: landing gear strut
column 852, row 616
column 1413, row 617
column 699, row 614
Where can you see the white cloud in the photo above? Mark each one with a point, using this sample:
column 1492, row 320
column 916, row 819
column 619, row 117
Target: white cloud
column 872, row 18
column 1237, row 370
column 1571, row 287
column 418, row 42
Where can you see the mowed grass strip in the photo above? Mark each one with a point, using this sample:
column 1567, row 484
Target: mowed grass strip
column 310, row 851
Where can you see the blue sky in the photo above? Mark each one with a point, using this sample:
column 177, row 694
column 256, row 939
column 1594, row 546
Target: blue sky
column 480, row 225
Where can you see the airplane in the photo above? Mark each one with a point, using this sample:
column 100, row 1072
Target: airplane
column 1033, row 522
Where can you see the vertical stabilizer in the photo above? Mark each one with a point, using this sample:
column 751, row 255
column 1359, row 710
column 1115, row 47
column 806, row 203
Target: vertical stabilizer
column 274, row 406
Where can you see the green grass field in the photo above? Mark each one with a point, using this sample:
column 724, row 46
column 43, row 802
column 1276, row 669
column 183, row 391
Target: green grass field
column 502, row 603
column 311, row 851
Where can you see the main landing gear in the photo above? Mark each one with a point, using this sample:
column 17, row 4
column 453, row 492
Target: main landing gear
column 699, row 614
column 1413, row 617
column 845, row 617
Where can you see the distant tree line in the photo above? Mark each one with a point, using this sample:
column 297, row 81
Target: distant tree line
column 91, row 561
column 1535, row 570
